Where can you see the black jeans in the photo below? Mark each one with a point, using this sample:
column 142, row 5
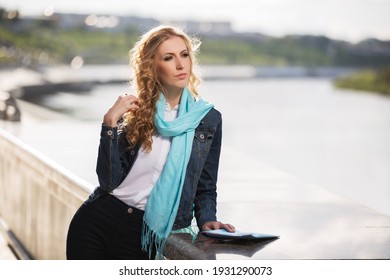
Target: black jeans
column 105, row 229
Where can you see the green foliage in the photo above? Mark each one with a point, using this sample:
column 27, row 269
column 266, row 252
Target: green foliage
column 296, row 52
column 63, row 46
column 235, row 51
column 44, row 42
column 369, row 80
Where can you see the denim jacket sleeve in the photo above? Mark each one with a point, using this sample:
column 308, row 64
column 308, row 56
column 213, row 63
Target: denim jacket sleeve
column 109, row 167
column 206, row 193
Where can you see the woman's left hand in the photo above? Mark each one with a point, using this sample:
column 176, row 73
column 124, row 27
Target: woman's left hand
column 218, row 225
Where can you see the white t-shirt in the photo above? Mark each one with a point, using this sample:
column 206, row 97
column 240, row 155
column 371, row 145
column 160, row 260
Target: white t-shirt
column 136, row 187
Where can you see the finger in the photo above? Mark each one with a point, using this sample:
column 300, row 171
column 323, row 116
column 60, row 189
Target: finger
column 212, row 226
column 205, row 227
column 231, row 227
column 128, row 100
column 228, row 227
column 133, row 100
column 132, row 106
column 126, row 95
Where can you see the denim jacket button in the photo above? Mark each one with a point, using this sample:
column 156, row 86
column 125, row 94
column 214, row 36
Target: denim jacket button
column 109, row 133
column 201, row 136
column 132, row 152
column 130, row 210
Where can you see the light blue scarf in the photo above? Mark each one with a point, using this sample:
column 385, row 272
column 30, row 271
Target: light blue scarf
column 164, row 199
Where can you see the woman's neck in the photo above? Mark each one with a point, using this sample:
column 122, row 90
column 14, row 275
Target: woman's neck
column 173, row 97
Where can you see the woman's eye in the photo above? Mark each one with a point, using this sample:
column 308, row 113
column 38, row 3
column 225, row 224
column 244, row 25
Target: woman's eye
column 185, row 54
column 167, row 58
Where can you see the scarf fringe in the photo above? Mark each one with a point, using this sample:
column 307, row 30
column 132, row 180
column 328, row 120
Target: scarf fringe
column 151, row 242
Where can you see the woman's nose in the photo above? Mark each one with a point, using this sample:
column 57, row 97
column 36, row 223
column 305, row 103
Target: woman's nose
column 179, row 64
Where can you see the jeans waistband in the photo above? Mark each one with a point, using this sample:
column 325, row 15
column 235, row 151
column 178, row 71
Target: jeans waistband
column 122, row 205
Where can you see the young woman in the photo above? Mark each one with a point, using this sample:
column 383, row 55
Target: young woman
column 158, row 157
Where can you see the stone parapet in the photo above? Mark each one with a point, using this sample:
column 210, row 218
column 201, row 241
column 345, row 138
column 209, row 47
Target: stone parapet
column 37, row 198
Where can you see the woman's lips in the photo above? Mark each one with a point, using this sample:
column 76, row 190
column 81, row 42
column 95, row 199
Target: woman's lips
column 181, row 76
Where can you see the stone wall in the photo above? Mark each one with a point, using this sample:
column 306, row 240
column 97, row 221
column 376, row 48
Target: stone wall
column 37, row 198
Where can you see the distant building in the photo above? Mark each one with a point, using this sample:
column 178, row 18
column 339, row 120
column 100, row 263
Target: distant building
column 204, row 27
column 114, row 23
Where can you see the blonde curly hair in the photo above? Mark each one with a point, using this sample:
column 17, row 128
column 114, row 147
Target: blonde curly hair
column 139, row 125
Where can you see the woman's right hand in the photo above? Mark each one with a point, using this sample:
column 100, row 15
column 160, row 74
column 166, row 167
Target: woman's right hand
column 123, row 104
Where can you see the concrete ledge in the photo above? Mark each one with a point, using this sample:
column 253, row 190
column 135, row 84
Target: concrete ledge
column 37, row 198
column 181, row 246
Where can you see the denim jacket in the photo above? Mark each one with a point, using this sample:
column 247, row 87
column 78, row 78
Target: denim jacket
column 116, row 157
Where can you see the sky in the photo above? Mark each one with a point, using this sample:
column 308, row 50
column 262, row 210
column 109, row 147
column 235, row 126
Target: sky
column 351, row 20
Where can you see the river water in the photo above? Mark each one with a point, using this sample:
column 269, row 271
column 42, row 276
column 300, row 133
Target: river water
column 337, row 139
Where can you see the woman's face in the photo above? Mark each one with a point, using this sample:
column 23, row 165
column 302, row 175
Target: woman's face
column 173, row 64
